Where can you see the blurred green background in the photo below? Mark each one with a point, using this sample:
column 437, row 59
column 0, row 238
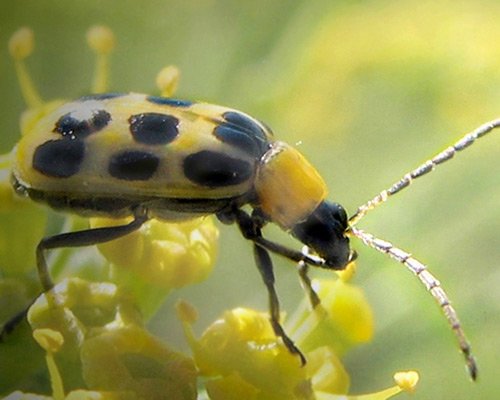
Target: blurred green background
column 367, row 90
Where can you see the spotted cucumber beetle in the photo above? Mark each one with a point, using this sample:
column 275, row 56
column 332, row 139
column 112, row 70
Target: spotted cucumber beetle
column 129, row 154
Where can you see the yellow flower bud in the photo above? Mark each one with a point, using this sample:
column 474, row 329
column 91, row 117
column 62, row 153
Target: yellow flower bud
column 131, row 359
column 167, row 80
column 21, row 43
column 166, row 255
column 186, row 312
column 48, row 339
column 406, row 380
column 76, row 306
column 241, row 349
column 327, row 371
column 231, row 387
column 101, row 39
column 16, row 214
column 343, row 319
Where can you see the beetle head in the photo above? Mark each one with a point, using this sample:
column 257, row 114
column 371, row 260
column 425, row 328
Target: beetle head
column 324, row 231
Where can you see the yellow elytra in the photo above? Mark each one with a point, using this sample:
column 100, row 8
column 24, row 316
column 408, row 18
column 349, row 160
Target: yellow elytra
column 134, row 149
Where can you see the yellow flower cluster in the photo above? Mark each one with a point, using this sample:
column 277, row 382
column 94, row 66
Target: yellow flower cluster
column 239, row 356
column 93, row 335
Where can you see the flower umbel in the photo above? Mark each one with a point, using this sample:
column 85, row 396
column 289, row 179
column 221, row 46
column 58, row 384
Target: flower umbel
column 239, row 356
column 94, row 338
column 87, row 338
column 104, row 350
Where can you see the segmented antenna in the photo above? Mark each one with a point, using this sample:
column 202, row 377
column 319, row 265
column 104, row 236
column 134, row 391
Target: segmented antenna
column 420, row 270
column 433, row 287
column 423, row 169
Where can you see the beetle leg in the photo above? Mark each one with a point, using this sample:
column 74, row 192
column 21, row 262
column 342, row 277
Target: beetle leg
column 303, row 269
column 14, row 321
column 83, row 238
column 251, row 230
column 86, row 237
column 248, row 226
column 265, row 265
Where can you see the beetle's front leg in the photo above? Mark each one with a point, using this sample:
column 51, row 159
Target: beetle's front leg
column 264, row 263
column 251, row 230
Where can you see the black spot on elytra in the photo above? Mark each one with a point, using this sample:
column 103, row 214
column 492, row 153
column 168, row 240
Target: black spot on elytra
column 71, row 127
column 167, row 101
column 133, row 165
column 153, row 128
column 242, row 132
column 213, row 169
column 230, row 134
column 59, row 158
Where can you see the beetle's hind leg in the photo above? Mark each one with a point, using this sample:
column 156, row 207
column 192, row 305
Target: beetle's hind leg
column 14, row 322
column 83, row 238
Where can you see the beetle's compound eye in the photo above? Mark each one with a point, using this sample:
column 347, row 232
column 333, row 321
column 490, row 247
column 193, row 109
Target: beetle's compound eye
column 338, row 214
column 324, row 232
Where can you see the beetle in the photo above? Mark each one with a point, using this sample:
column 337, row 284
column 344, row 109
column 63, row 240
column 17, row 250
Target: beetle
column 143, row 156
column 122, row 155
